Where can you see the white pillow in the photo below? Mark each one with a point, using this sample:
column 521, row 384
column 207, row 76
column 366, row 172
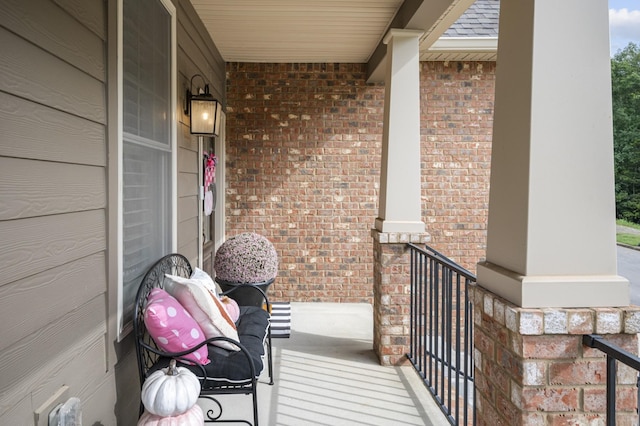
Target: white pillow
column 205, row 307
column 206, row 280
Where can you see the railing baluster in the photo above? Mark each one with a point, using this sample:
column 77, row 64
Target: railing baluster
column 468, row 345
column 421, row 301
column 430, row 333
column 441, row 341
column 448, row 308
column 457, row 394
column 611, row 391
column 614, row 355
column 437, row 283
column 436, row 319
column 414, row 343
column 638, row 398
column 431, row 338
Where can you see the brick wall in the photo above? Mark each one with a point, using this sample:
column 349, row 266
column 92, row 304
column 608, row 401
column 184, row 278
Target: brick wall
column 457, row 123
column 303, row 166
column 392, row 295
column 532, row 369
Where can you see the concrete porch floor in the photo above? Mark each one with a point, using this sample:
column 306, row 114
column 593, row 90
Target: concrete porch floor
column 326, row 373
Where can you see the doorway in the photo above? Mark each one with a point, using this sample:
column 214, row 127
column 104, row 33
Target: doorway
column 209, row 203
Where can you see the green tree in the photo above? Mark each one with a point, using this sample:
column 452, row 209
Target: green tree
column 625, row 81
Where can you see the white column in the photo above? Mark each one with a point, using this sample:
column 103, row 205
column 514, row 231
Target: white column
column 399, row 209
column 551, row 230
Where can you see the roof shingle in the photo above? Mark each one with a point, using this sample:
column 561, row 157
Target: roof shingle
column 480, row 20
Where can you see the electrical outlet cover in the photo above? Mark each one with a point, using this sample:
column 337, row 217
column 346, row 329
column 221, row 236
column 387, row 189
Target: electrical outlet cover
column 41, row 415
column 71, row 413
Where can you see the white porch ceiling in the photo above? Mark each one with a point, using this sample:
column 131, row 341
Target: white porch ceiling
column 296, row 30
column 333, row 31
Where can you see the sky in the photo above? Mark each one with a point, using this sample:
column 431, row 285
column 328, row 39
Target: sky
column 624, row 23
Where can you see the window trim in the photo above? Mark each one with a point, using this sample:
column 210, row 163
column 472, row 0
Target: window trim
column 123, row 329
column 220, row 219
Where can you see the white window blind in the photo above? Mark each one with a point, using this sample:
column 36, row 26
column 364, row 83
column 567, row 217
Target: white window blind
column 146, row 142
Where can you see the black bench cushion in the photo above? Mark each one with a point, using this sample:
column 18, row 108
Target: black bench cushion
column 232, row 366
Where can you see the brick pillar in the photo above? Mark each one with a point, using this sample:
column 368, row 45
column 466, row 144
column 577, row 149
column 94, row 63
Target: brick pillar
column 391, row 294
column 532, row 369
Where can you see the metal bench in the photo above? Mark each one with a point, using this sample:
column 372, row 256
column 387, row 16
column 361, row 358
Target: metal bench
column 229, row 372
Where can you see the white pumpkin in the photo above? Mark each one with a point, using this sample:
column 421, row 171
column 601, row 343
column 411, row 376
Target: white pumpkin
column 193, row 417
column 171, row 391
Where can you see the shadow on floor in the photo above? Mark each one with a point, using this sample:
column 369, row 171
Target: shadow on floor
column 326, row 373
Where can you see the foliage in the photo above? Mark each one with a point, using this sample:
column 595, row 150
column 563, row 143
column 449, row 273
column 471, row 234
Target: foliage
column 628, row 239
column 625, row 81
column 246, row 258
column 627, row 224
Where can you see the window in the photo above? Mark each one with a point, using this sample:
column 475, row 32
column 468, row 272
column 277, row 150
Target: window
column 148, row 136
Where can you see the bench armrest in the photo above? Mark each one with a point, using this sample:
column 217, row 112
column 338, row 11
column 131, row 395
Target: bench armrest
column 251, row 288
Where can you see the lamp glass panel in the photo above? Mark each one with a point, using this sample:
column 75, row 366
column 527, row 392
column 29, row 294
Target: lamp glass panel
column 203, row 114
column 216, row 128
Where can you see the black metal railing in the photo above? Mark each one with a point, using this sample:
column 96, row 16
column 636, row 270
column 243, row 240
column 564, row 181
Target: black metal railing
column 614, row 354
column 441, row 341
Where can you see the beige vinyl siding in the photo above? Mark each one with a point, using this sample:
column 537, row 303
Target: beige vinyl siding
column 40, row 188
column 54, row 28
column 57, row 201
column 43, row 77
column 196, row 55
column 187, row 193
column 53, row 204
column 28, row 128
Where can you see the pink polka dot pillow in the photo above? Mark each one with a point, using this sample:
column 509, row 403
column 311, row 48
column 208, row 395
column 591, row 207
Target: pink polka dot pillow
column 171, row 326
column 205, row 307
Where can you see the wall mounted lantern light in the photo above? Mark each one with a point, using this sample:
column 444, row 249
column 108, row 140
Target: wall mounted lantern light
column 204, row 111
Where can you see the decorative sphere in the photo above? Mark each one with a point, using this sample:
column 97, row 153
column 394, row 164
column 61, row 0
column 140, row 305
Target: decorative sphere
column 246, row 258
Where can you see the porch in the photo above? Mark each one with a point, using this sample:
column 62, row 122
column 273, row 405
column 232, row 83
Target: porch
column 327, row 373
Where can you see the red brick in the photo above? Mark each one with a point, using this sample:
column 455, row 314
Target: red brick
column 550, row 399
column 483, row 387
column 578, row 373
column 507, row 410
column 595, row 399
column 510, row 363
column 551, row 346
column 626, row 419
column 626, row 399
column 581, row 321
column 310, row 186
column 534, row 419
column 497, row 376
column 489, row 416
column 484, row 343
column 576, row 419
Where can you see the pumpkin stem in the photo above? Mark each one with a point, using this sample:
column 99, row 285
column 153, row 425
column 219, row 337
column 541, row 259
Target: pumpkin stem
column 172, row 370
